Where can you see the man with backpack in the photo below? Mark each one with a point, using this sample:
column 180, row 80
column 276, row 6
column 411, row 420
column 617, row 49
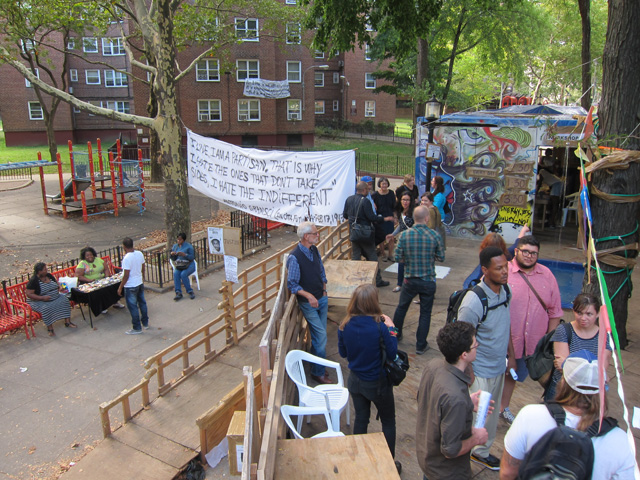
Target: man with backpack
column 536, row 309
column 492, row 323
column 565, row 436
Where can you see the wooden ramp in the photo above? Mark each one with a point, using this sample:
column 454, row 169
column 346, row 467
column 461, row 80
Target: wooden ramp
column 162, row 438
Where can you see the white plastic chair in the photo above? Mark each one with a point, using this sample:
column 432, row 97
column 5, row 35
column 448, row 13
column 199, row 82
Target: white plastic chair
column 194, row 274
column 572, row 206
column 335, row 394
column 289, row 410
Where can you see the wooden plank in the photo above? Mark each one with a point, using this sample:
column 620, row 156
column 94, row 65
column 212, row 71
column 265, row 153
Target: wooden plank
column 116, row 460
column 154, row 445
column 344, row 276
column 354, row 457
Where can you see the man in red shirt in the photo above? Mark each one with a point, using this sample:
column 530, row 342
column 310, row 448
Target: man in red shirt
column 535, row 310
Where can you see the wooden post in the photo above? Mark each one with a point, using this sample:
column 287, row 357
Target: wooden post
column 228, row 306
column 104, row 419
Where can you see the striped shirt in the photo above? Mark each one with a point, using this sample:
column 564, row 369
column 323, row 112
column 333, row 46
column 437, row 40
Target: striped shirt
column 418, row 248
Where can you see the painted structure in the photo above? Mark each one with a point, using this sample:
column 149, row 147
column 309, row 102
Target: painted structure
column 489, row 163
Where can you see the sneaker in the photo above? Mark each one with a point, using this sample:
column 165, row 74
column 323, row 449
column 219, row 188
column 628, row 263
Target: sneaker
column 133, row 332
column 491, row 462
column 118, row 305
column 104, row 311
column 146, row 327
column 397, row 289
column 177, row 297
column 421, row 351
column 507, row 415
column 192, row 295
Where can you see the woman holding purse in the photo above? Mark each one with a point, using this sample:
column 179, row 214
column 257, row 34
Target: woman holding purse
column 182, row 255
column 359, row 342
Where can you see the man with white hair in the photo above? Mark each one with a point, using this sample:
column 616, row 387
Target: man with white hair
column 576, row 405
column 307, row 280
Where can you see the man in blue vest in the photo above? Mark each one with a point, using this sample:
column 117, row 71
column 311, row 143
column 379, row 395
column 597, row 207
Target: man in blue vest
column 307, row 280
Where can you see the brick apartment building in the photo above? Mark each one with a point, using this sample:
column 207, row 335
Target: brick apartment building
column 211, row 98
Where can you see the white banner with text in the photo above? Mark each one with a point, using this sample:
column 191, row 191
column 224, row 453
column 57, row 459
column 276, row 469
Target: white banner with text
column 287, row 187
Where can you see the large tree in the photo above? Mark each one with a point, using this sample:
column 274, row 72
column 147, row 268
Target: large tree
column 615, row 191
column 156, row 29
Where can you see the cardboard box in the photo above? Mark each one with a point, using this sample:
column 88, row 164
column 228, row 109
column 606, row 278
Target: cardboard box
column 235, row 437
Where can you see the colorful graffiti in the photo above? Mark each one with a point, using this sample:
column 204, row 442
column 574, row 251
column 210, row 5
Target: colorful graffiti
column 484, row 169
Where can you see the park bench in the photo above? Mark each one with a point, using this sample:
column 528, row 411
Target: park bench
column 16, row 300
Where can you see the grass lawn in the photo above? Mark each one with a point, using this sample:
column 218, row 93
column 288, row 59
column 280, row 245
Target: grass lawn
column 363, row 146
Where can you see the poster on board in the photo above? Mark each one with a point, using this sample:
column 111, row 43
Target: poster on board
column 216, row 240
column 287, row 187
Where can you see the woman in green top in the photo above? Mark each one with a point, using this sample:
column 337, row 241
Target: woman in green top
column 90, row 268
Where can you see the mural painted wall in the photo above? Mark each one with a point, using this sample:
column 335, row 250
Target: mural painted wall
column 488, row 173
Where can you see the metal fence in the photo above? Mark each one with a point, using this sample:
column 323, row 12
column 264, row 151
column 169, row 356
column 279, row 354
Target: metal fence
column 157, row 269
column 384, row 164
column 17, row 174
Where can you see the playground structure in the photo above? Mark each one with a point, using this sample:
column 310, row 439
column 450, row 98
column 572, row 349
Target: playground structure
column 106, row 182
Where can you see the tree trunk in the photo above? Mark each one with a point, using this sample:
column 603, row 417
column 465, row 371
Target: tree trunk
column 167, row 126
column 619, row 116
column 156, row 167
column 422, row 75
column 585, row 13
column 454, row 50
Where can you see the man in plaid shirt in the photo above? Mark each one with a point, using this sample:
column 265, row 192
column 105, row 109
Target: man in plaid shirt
column 419, row 248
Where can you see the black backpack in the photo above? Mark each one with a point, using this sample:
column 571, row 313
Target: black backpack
column 562, row 452
column 540, row 362
column 455, row 300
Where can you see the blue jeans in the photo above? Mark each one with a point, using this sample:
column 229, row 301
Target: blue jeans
column 400, row 273
column 410, row 288
column 134, row 297
column 183, row 276
column 317, row 320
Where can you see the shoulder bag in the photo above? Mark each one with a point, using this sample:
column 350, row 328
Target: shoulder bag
column 359, row 232
column 396, row 370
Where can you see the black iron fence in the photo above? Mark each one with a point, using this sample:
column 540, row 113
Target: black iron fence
column 17, row 174
column 383, row 164
column 253, row 229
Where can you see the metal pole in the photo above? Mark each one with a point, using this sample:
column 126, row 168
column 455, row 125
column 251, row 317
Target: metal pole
column 429, row 160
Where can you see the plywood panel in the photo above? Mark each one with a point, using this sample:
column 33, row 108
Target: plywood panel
column 354, row 457
column 344, row 276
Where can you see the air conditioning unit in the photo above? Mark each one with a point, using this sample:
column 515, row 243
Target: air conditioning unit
column 340, row 63
column 243, row 117
column 294, row 116
column 71, row 90
column 203, row 117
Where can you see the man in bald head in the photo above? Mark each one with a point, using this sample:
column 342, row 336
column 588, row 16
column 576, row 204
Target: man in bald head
column 418, row 248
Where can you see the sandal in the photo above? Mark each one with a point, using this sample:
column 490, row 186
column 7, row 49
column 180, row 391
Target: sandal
column 70, row 325
column 51, row 332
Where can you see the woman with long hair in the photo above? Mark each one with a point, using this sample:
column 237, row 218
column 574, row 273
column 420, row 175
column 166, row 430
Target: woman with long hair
column 359, row 337
column 385, row 202
column 437, row 188
column 404, row 215
column 581, row 334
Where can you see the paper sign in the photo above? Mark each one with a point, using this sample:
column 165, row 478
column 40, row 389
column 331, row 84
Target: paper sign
column 433, row 150
column 216, row 242
column 231, row 268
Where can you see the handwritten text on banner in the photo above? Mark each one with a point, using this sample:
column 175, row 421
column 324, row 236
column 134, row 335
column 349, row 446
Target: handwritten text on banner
column 279, row 186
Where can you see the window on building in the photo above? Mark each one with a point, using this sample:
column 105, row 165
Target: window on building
column 92, row 77
column 294, row 72
column 319, row 79
column 369, row 81
column 336, row 105
column 318, row 54
column 208, row 70
column 336, row 77
column 35, row 111
column 294, row 109
column 71, row 43
column 247, row 29
column 367, row 51
column 36, row 72
column 294, row 35
column 27, row 45
column 89, row 44
column 248, row 110
column 115, row 79
column 117, row 105
column 112, row 46
column 209, row 111
column 369, row 108
column 73, row 74
column 247, row 69
column 319, row 104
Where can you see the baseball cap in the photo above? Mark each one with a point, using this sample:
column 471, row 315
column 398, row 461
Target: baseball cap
column 580, row 371
column 367, row 179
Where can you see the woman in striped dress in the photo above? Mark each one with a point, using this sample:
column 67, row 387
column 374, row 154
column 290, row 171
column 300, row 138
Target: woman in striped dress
column 43, row 295
column 581, row 334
